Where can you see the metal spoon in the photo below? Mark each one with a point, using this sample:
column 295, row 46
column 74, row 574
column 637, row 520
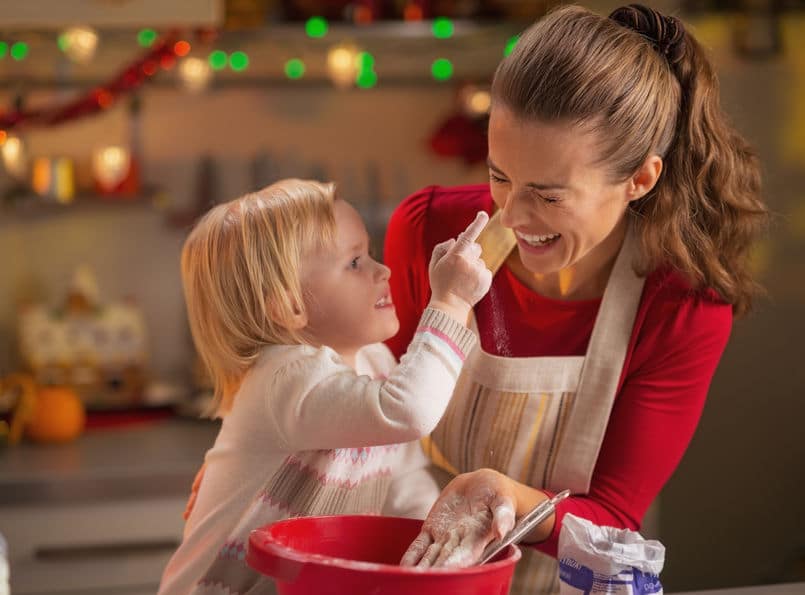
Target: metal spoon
column 527, row 522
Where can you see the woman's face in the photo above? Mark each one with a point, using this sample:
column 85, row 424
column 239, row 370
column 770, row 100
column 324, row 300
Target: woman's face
column 562, row 206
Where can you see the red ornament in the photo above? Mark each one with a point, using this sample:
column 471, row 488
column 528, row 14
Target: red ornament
column 461, row 136
column 103, row 98
column 150, row 68
column 181, row 48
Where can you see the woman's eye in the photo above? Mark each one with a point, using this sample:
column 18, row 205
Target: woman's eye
column 496, row 179
column 550, row 199
column 354, row 262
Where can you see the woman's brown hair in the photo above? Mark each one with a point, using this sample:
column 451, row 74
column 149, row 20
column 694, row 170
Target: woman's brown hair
column 644, row 85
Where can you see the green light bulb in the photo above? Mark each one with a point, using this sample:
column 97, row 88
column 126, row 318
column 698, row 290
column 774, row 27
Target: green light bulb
column 294, row 68
column 510, row 45
column 217, row 59
column 365, row 61
column 441, row 69
column 239, row 61
column 19, row 50
column 316, row 27
column 366, row 79
column 146, row 37
column 442, row 28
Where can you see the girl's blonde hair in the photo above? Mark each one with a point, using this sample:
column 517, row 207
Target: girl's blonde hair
column 642, row 82
column 240, row 272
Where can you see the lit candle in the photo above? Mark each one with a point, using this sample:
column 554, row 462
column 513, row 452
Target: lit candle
column 110, row 166
column 53, row 177
column 195, row 74
column 342, row 64
column 79, row 43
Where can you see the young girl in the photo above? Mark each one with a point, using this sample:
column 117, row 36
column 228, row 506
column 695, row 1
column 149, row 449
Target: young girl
column 288, row 310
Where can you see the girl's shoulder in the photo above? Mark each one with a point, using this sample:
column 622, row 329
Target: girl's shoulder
column 277, row 361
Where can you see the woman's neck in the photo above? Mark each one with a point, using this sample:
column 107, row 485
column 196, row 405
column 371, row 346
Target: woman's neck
column 585, row 280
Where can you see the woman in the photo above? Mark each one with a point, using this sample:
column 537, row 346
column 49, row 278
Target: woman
column 625, row 207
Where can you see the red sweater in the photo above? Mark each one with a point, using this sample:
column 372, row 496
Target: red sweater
column 678, row 337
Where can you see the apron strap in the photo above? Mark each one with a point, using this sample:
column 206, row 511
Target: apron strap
column 496, row 242
column 588, row 417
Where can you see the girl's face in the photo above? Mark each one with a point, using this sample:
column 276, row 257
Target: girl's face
column 567, row 215
column 346, row 291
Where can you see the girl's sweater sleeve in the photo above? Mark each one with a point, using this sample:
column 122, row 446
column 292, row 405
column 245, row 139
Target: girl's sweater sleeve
column 317, row 402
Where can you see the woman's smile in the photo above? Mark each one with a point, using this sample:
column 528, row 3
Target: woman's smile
column 537, row 243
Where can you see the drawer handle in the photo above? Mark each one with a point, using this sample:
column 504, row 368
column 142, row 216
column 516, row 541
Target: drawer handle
column 104, row 550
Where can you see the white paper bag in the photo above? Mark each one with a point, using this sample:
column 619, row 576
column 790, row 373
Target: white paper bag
column 595, row 559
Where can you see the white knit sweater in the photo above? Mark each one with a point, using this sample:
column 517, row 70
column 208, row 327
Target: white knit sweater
column 308, row 435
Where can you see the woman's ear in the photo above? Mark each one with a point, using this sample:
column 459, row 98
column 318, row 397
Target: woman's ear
column 645, row 178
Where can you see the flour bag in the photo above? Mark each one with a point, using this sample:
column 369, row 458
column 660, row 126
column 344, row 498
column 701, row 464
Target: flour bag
column 595, row 559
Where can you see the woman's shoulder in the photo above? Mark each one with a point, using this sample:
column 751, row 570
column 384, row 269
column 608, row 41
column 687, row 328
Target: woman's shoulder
column 441, row 211
column 675, row 316
column 667, row 285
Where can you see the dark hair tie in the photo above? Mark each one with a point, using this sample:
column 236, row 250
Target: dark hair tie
column 666, row 34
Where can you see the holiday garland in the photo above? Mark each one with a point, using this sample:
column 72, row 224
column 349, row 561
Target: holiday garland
column 162, row 54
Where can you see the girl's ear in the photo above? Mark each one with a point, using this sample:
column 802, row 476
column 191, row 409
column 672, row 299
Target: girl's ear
column 294, row 320
column 298, row 319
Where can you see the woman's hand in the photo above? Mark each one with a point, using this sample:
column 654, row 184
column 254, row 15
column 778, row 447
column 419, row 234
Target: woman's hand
column 472, row 510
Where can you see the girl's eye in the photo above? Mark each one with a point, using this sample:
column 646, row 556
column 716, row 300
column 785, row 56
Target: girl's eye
column 354, row 262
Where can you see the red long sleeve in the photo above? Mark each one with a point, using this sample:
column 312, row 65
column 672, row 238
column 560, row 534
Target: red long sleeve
column 678, row 338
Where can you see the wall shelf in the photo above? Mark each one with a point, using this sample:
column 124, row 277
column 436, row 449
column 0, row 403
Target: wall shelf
column 403, row 52
column 31, row 207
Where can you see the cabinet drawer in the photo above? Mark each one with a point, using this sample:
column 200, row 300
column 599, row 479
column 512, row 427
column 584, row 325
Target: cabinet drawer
column 86, row 548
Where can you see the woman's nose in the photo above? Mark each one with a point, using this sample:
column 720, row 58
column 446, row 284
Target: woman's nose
column 513, row 212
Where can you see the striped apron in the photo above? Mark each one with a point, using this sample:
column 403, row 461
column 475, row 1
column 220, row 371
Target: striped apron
column 539, row 420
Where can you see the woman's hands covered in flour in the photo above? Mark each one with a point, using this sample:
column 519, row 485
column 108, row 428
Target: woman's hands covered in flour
column 458, row 276
column 472, row 510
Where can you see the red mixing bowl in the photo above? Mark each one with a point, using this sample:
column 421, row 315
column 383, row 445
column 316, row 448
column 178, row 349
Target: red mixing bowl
column 359, row 555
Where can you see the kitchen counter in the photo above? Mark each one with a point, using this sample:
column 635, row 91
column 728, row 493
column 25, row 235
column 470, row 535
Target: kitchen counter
column 152, row 460
column 102, row 514
column 784, row 589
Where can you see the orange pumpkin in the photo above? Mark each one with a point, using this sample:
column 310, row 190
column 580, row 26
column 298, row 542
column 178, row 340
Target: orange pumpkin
column 58, row 415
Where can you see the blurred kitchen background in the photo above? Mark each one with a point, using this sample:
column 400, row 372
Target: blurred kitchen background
column 122, row 122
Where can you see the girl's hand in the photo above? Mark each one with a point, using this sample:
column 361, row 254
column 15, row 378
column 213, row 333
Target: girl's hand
column 473, row 510
column 458, row 276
